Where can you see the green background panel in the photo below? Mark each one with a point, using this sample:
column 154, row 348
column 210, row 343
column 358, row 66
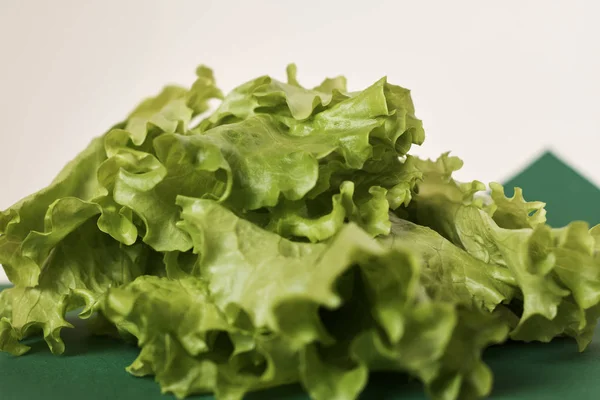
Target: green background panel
column 93, row 368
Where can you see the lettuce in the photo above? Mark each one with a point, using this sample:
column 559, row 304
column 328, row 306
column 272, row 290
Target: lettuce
column 290, row 237
column 554, row 271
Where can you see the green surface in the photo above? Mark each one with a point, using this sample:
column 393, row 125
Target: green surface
column 93, row 368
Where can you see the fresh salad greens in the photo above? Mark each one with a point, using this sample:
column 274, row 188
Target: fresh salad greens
column 289, row 236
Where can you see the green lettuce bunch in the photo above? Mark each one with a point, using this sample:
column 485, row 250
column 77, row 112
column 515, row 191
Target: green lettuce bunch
column 289, row 236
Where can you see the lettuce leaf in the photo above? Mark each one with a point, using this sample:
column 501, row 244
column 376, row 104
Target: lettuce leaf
column 33, row 226
column 354, row 304
column 554, row 270
column 78, row 271
column 290, row 237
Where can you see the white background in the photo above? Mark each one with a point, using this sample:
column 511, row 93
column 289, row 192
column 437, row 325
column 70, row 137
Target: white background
column 495, row 82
